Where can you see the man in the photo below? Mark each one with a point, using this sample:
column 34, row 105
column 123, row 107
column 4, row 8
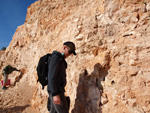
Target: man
column 57, row 77
column 6, row 71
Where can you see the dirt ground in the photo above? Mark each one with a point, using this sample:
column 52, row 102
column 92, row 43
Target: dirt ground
column 17, row 98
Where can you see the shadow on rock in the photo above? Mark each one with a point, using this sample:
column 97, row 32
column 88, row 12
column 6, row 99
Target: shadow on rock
column 89, row 90
column 15, row 109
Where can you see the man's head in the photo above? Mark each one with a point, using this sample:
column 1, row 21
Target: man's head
column 69, row 48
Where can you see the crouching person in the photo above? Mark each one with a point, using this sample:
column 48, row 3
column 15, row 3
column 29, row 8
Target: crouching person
column 6, row 71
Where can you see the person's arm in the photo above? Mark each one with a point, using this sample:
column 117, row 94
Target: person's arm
column 15, row 69
column 53, row 69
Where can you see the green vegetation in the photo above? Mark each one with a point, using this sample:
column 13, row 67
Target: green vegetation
column 3, row 48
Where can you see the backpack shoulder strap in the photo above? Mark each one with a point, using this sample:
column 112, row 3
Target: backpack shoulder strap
column 59, row 55
column 61, row 58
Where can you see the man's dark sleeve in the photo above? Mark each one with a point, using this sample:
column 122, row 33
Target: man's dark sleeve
column 53, row 69
column 15, row 69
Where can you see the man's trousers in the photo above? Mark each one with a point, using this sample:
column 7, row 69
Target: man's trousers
column 62, row 108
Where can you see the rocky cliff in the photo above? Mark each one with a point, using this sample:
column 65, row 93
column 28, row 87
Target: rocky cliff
column 110, row 74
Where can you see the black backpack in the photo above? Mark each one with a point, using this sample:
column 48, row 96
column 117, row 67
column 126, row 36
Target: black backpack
column 42, row 70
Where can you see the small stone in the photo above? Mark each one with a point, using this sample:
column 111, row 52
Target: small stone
column 133, row 71
column 104, row 100
column 148, row 7
column 115, row 103
column 79, row 37
column 132, row 102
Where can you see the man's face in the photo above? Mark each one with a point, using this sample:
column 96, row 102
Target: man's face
column 66, row 49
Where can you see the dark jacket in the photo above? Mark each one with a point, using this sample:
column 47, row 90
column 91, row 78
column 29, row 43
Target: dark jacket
column 56, row 73
column 9, row 69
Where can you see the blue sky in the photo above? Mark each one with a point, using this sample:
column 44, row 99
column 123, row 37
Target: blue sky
column 12, row 15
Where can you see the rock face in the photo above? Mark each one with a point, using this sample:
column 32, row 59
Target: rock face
column 2, row 52
column 110, row 74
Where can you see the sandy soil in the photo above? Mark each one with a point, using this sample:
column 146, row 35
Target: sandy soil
column 16, row 99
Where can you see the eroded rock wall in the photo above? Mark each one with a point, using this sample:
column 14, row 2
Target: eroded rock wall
column 111, row 73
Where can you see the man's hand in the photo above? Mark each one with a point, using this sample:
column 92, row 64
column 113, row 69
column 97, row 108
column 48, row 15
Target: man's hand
column 22, row 71
column 56, row 99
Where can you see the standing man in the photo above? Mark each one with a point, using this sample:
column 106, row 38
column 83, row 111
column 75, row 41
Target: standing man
column 57, row 77
column 6, row 71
